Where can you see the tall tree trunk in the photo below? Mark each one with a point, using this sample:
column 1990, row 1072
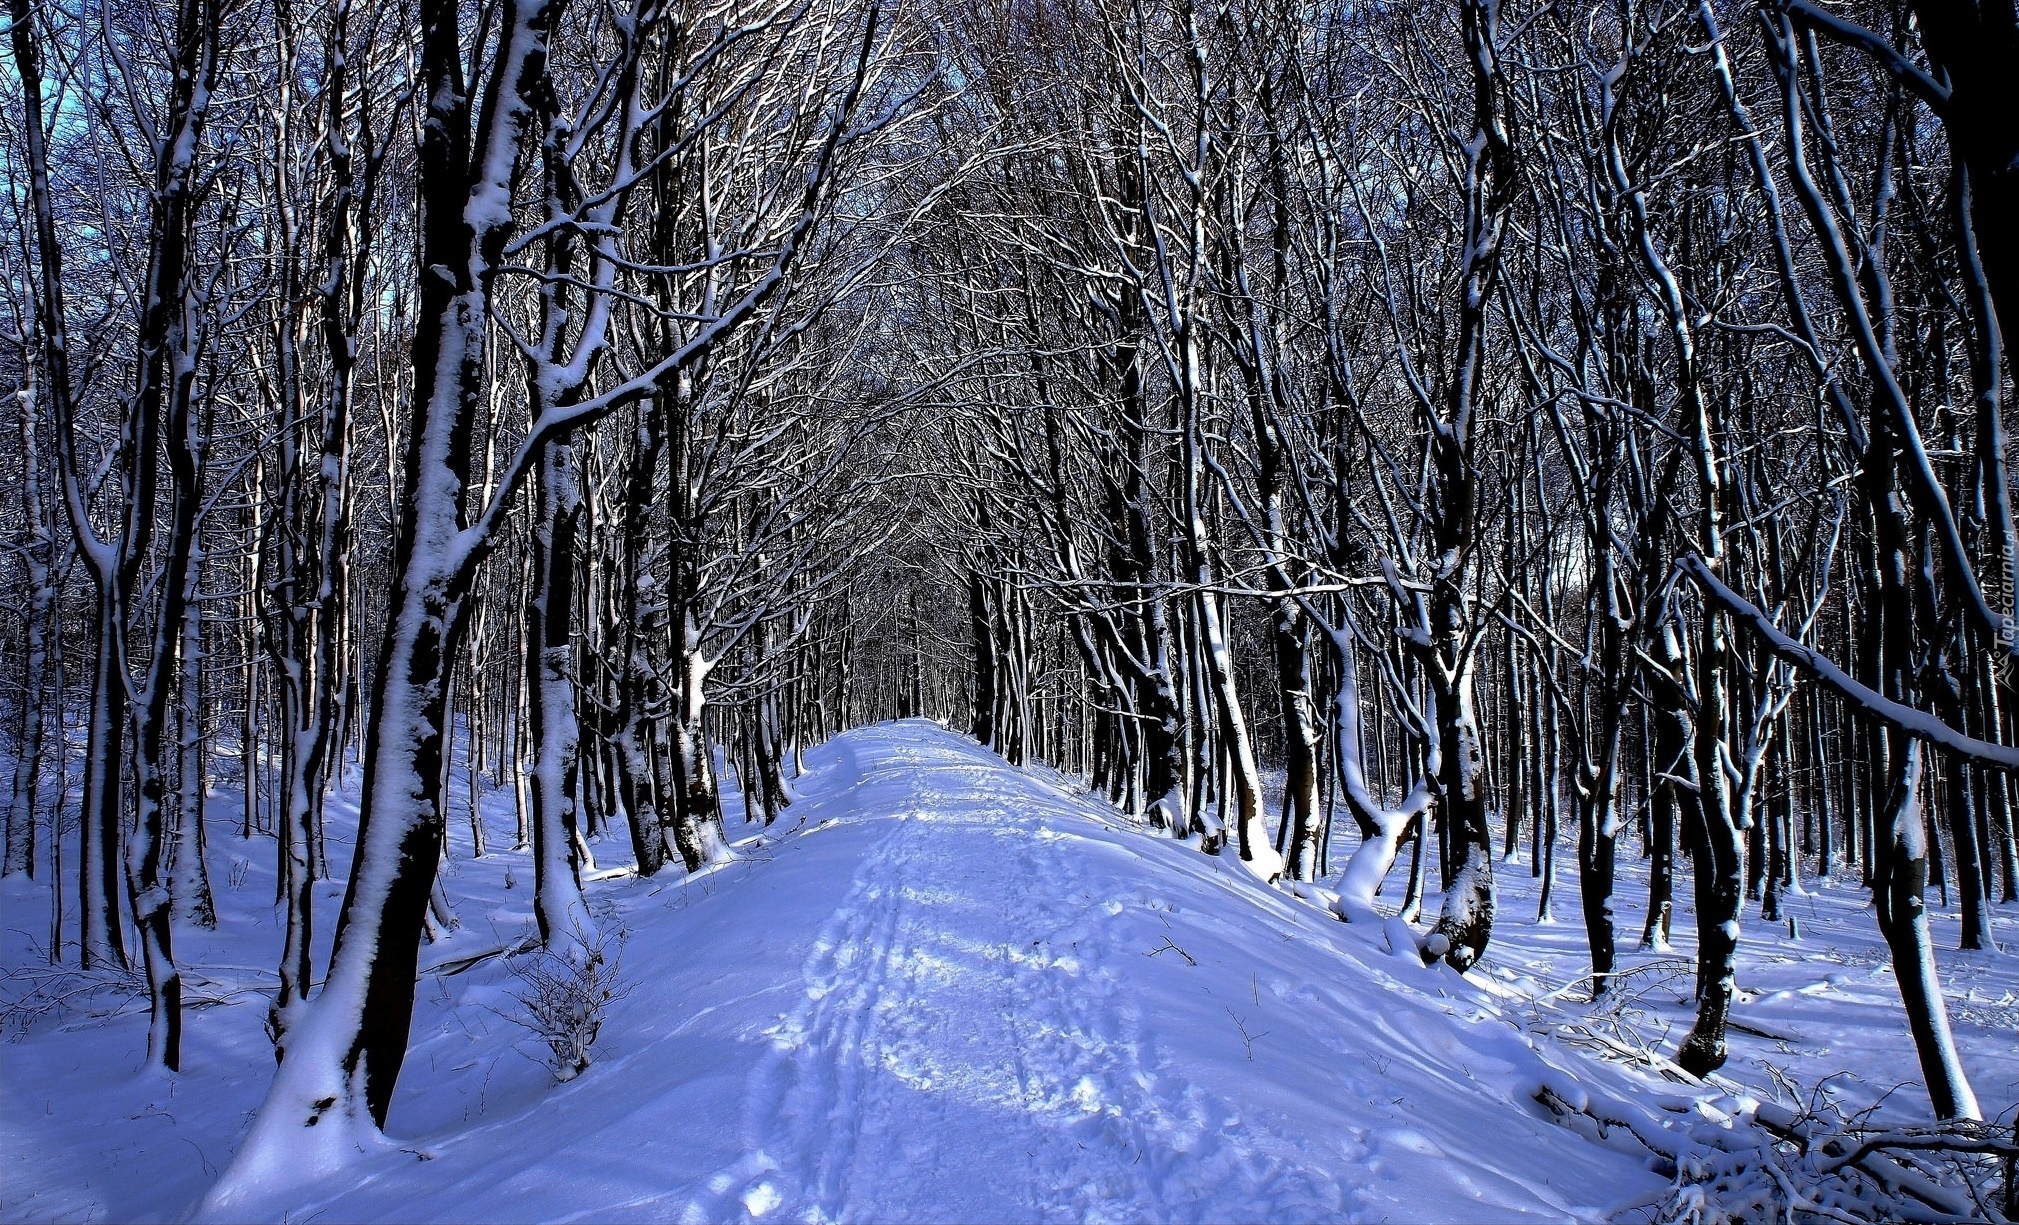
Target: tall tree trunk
column 99, row 817
column 558, row 908
column 1300, row 739
column 39, row 554
column 189, row 883
column 344, row 1052
column 1902, row 878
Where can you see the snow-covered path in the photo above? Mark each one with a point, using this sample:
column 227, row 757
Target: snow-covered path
column 941, row 989
column 1007, row 1007
column 965, row 1052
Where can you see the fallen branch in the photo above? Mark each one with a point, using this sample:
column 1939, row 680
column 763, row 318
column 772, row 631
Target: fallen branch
column 1758, row 1031
column 1663, row 1145
column 456, row 965
column 1874, row 1154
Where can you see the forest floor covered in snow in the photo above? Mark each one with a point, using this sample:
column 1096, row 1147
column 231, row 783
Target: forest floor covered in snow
column 944, row 989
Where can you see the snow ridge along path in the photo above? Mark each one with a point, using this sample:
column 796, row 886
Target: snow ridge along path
column 944, row 989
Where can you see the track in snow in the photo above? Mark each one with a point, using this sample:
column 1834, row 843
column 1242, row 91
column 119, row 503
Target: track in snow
column 963, row 1053
column 1017, row 1011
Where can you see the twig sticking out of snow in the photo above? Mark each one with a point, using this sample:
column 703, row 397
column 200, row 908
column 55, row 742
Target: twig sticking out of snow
column 36, row 993
column 1247, row 1039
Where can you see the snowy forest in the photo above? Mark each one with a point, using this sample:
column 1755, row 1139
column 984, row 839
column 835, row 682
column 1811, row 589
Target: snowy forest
column 760, row 554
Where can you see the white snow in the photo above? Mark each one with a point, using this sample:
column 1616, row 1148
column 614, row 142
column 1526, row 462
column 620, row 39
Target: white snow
column 944, row 989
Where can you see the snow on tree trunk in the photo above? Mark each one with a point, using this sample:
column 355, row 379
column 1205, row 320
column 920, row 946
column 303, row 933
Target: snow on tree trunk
column 557, row 884
column 99, row 817
column 1301, row 735
column 189, row 882
column 1900, row 878
column 342, row 1056
column 1381, row 829
column 1466, row 920
column 696, row 829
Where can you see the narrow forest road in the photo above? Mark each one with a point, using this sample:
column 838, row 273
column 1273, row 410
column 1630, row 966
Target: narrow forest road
column 1009, row 1007
column 967, row 1051
column 940, row 989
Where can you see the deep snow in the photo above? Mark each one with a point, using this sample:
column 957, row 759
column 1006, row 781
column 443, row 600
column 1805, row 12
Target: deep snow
column 945, row 989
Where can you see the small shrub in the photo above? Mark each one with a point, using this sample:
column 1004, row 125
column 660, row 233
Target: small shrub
column 564, row 994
